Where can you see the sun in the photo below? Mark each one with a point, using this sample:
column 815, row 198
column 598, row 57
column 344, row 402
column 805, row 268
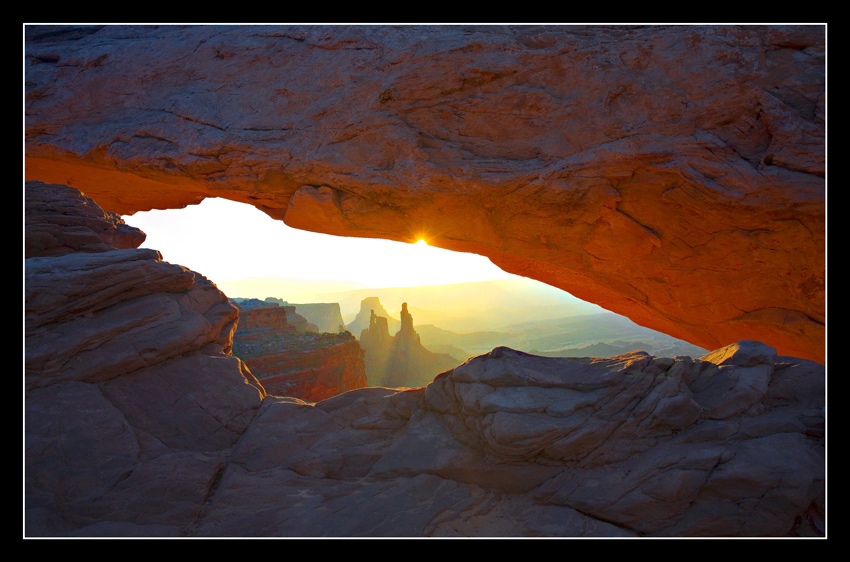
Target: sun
column 237, row 259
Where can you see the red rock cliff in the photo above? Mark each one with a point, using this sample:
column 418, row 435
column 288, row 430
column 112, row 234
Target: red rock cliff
column 289, row 361
column 313, row 374
column 280, row 319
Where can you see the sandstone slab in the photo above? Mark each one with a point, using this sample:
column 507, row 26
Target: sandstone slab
column 635, row 455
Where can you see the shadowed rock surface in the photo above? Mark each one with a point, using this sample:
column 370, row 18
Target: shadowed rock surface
column 672, row 174
column 60, row 220
column 510, row 444
column 132, row 398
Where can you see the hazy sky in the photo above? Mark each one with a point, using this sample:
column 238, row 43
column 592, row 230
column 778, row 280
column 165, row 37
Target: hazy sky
column 247, row 254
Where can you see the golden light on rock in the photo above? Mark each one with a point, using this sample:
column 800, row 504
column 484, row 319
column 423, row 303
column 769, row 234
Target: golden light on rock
column 632, row 166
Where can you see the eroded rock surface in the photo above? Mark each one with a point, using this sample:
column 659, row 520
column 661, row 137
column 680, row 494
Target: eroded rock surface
column 60, row 220
column 181, row 440
column 132, row 398
column 510, row 444
column 674, row 175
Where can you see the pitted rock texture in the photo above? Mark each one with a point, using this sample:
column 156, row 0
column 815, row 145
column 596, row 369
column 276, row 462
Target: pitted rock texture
column 674, row 175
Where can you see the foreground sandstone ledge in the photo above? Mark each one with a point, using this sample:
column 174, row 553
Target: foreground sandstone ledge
column 139, row 422
column 671, row 174
column 504, row 445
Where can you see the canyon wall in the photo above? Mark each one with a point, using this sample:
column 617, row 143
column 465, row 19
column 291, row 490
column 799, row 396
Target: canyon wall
column 256, row 317
column 283, row 351
column 672, row 174
column 139, row 422
column 335, row 365
column 326, row 316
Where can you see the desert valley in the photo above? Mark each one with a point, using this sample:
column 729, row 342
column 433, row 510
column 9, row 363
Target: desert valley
column 273, row 336
column 650, row 360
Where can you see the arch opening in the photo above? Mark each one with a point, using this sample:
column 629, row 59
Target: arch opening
column 460, row 305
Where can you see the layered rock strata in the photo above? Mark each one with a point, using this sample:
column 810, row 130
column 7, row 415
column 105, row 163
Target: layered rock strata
column 315, row 367
column 60, row 220
column 672, row 174
column 290, row 360
column 326, row 316
column 257, row 316
column 132, row 398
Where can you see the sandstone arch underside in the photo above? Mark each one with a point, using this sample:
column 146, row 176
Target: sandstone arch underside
column 675, row 175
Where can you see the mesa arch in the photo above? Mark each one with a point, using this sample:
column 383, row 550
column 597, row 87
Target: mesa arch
column 675, row 175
